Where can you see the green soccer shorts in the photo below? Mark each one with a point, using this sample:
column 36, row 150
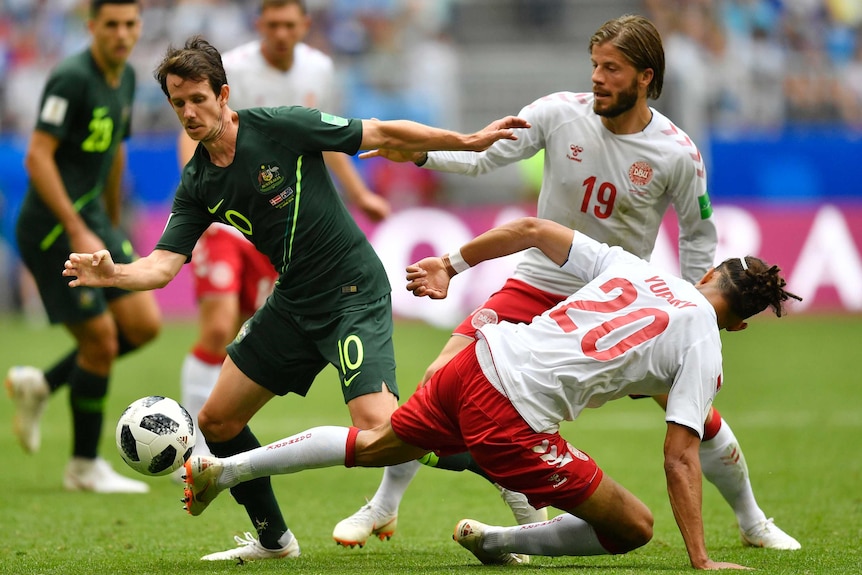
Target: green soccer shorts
column 284, row 352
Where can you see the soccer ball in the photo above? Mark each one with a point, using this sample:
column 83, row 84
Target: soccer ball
column 155, row 435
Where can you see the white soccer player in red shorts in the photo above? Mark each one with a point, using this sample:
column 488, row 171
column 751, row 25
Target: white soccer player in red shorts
column 632, row 329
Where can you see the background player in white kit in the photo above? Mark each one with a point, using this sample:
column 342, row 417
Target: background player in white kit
column 632, row 329
column 612, row 166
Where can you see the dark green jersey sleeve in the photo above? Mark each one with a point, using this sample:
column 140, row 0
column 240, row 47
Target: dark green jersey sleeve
column 189, row 219
column 310, row 130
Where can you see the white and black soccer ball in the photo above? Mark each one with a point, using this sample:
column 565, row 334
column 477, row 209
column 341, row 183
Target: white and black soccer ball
column 155, row 435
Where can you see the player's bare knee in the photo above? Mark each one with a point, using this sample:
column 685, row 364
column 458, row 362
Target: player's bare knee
column 97, row 351
column 216, row 336
column 147, row 331
column 639, row 529
column 217, row 429
column 627, row 527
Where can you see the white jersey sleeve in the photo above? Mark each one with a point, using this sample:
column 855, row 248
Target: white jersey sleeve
column 632, row 329
column 614, row 188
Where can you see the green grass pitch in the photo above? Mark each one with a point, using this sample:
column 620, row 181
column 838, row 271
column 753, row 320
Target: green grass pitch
column 792, row 393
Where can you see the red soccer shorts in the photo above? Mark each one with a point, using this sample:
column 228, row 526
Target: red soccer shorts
column 459, row 410
column 516, row 302
column 224, row 263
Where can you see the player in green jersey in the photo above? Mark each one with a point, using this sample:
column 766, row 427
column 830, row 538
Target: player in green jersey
column 262, row 171
column 75, row 160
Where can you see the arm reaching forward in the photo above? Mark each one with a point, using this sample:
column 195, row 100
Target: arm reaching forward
column 99, row 270
column 410, row 136
column 682, row 468
column 430, row 276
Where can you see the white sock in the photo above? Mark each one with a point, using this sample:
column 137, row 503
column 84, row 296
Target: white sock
column 324, row 446
column 563, row 535
column 197, row 380
column 395, row 480
column 724, row 466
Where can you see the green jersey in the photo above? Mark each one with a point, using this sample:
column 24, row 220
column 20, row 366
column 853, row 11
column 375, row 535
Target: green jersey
column 90, row 119
column 278, row 193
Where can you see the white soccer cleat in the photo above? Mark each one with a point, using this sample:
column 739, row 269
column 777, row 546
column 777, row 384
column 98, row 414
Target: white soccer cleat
column 470, row 534
column 768, row 535
column 249, row 549
column 522, row 510
column 98, row 476
column 368, row 521
column 201, row 482
column 28, row 389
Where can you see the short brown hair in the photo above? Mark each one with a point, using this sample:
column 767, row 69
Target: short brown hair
column 96, row 5
column 197, row 60
column 264, row 4
column 639, row 41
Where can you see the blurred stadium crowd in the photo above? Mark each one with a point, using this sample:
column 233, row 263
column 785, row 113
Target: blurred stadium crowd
column 732, row 64
column 371, row 41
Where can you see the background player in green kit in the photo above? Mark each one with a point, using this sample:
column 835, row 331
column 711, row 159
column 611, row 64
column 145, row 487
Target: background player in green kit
column 262, row 171
column 75, row 161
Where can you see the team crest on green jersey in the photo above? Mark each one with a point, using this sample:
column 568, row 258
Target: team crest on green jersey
column 269, row 178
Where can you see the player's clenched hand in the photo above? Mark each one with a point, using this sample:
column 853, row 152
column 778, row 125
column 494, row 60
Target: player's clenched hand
column 428, row 277
column 93, row 270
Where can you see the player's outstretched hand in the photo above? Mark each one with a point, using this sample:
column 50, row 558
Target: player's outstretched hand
column 502, row 129
column 93, row 270
column 428, row 277
column 715, row 565
column 399, row 156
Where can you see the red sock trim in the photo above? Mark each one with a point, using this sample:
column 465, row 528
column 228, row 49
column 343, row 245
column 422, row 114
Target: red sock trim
column 350, row 447
column 710, row 430
column 208, row 357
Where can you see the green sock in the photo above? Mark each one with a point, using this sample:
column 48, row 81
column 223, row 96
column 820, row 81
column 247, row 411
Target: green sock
column 58, row 374
column 87, row 399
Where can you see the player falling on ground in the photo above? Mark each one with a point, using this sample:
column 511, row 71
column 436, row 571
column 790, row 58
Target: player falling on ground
column 631, row 329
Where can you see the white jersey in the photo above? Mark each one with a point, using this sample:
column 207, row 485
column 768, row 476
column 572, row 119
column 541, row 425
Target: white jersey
column 254, row 82
column 632, row 329
column 614, row 188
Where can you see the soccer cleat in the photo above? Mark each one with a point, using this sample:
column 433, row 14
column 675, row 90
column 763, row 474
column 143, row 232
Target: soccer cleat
column 356, row 529
column 98, row 476
column 470, row 534
column 201, row 482
column 767, row 535
column 249, row 549
column 522, row 510
column 28, row 389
